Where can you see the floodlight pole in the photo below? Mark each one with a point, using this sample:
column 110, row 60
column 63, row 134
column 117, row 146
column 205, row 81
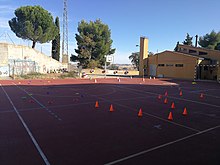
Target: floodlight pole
column 105, row 66
column 22, row 63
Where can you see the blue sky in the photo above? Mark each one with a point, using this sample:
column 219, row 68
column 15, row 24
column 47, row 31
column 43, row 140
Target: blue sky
column 164, row 22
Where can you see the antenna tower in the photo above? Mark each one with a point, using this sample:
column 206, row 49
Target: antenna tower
column 65, row 34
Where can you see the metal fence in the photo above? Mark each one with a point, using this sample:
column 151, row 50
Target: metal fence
column 22, row 67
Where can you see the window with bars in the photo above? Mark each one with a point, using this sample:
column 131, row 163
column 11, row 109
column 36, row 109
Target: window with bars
column 179, row 65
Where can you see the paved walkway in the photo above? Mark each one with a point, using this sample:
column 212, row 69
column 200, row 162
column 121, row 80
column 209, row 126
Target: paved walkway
column 5, row 78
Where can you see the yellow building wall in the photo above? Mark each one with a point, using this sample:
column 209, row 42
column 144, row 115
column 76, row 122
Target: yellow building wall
column 213, row 55
column 173, row 58
column 143, row 55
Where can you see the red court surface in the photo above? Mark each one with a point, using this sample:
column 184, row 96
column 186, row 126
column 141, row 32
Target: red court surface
column 55, row 122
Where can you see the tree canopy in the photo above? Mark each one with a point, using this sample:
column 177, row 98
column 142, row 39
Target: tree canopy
column 56, row 42
column 210, row 41
column 188, row 40
column 33, row 23
column 135, row 58
column 94, row 43
column 176, row 47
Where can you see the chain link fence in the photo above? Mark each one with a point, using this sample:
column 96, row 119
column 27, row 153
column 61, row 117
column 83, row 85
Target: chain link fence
column 22, row 67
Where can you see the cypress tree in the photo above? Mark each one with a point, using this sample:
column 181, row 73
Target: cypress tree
column 56, row 42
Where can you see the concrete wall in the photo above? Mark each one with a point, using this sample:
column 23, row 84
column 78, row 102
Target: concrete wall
column 4, row 71
column 3, row 55
column 166, row 64
column 23, row 57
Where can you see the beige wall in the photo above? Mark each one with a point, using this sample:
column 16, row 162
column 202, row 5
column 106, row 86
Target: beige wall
column 212, row 54
column 3, row 55
column 173, row 58
column 43, row 62
column 212, row 61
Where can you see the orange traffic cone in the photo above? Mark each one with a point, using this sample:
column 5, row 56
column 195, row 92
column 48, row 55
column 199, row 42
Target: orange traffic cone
column 111, row 108
column 159, row 97
column 96, row 104
column 185, row 112
column 166, row 93
column 172, row 105
column 140, row 114
column 201, row 95
column 181, row 93
column 165, row 101
column 170, row 117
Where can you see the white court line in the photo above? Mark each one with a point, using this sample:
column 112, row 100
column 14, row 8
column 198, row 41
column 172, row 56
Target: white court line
column 197, row 91
column 171, row 122
column 134, row 91
column 161, row 146
column 36, row 101
column 212, row 105
column 7, row 111
column 217, row 97
column 203, row 90
column 198, row 102
column 183, row 126
column 43, row 156
column 76, row 104
column 196, row 130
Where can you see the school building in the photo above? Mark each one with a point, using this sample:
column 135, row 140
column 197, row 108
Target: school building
column 187, row 62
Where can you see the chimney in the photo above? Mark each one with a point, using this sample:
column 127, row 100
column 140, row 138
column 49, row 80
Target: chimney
column 196, row 40
column 143, row 55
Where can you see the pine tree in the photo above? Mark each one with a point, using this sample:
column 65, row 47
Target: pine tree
column 210, row 41
column 188, row 40
column 33, row 23
column 94, row 43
